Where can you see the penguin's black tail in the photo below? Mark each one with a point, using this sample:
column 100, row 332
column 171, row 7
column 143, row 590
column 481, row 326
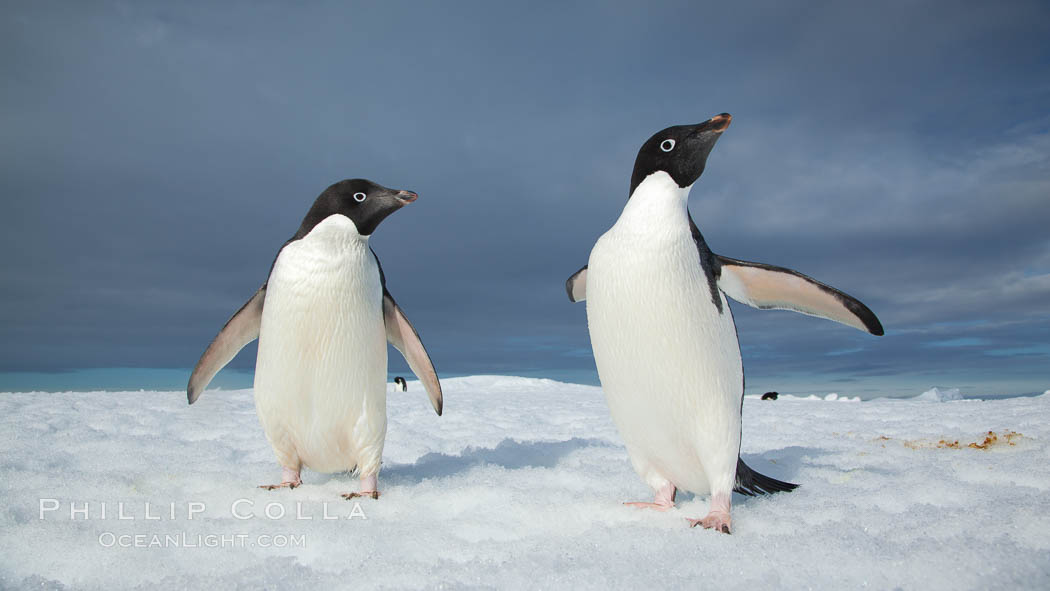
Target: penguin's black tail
column 751, row 483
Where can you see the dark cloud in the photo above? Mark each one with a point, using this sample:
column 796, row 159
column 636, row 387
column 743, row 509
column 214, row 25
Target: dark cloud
column 155, row 156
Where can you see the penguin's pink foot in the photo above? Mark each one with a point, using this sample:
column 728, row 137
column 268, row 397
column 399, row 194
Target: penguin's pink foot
column 664, row 500
column 369, row 488
column 289, row 479
column 716, row 520
column 718, row 517
column 644, row 505
column 365, row 493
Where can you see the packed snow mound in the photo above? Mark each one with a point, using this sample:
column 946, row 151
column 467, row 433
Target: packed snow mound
column 836, row 396
column 519, row 486
column 832, row 397
column 936, row 394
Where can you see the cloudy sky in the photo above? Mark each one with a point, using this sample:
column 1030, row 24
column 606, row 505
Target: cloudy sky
column 156, row 155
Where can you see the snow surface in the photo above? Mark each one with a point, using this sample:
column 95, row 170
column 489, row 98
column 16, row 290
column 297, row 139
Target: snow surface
column 520, row 485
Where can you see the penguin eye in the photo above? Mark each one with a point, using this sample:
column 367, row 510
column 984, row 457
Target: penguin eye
column 667, row 145
column 359, row 197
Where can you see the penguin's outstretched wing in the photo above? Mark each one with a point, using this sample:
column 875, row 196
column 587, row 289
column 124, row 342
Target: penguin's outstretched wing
column 404, row 338
column 769, row 287
column 241, row 329
column 576, row 286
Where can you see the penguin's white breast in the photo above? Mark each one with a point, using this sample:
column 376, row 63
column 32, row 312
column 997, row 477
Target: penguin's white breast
column 668, row 360
column 321, row 369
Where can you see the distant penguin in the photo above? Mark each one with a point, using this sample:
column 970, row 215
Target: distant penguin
column 770, row 395
column 400, row 385
column 323, row 319
column 663, row 336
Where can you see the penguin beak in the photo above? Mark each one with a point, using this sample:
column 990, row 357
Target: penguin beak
column 719, row 123
column 706, row 134
column 406, row 197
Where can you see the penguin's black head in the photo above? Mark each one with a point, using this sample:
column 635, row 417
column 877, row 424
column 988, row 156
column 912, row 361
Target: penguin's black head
column 363, row 201
column 680, row 151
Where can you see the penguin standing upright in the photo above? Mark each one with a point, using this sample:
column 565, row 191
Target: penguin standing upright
column 663, row 336
column 323, row 319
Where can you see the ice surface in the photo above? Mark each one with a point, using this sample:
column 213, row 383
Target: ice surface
column 520, row 485
column 936, row 394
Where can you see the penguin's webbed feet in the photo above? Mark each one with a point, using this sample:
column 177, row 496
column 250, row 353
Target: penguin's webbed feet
column 374, row 494
column 644, row 505
column 718, row 517
column 289, row 479
column 288, row 485
column 663, row 501
column 716, row 520
column 369, row 488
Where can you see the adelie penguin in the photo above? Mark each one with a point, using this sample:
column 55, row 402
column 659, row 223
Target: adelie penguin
column 323, row 319
column 663, row 336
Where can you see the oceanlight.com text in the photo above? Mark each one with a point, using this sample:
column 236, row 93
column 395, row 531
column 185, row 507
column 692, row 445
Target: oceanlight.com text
column 185, row 540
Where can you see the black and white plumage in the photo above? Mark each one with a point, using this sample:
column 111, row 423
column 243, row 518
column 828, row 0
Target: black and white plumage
column 663, row 336
column 323, row 319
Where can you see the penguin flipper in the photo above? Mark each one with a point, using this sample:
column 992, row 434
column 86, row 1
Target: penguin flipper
column 576, row 286
column 404, row 338
column 769, row 287
column 241, row 329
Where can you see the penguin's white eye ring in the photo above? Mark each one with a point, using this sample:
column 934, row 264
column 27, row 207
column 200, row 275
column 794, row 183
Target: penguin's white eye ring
column 359, row 197
column 667, row 145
